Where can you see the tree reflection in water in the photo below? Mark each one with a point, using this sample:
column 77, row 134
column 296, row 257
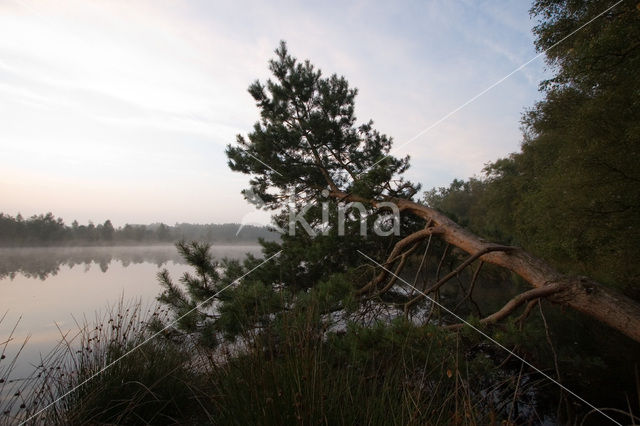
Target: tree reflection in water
column 42, row 262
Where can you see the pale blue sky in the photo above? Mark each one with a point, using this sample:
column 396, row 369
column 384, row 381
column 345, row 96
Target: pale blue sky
column 122, row 109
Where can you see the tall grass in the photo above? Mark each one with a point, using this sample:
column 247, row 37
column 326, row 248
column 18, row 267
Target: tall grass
column 352, row 378
column 78, row 382
column 14, row 392
column 294, row 372
column 291, row 371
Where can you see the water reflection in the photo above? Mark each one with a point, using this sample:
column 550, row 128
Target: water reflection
column 44, row 262
column 47, row 290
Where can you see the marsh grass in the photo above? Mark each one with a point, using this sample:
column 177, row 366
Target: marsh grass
column 388, row 373
column 79, row 382
column 292, row 371
column 14, row 392
column 121, row 378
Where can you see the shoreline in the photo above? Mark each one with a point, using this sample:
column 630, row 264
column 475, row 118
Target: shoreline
column 129, row 245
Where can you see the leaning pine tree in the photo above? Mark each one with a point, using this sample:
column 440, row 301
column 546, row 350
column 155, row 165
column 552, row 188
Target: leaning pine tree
column 307, row 141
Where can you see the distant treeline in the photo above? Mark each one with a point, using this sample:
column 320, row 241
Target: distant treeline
column 47, row 230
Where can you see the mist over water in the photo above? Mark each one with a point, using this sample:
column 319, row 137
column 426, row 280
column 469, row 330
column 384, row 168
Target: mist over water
column 48, row 290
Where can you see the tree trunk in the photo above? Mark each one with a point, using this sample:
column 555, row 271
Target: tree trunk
column 580, row 293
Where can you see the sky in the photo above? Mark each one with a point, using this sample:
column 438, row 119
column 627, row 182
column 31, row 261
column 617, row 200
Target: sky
column 121, row 110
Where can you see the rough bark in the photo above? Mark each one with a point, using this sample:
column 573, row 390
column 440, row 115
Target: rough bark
column 580, row 293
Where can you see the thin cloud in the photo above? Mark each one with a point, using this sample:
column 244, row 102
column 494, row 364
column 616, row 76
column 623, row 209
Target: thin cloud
column 154, row 91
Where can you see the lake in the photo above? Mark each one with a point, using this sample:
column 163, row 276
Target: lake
column 45, row 290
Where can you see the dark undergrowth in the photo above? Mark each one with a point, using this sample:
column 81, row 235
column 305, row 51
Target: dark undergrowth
column 119, row 370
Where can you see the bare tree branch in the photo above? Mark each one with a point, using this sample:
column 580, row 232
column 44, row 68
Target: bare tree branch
column 580, row 293
column 514, row 303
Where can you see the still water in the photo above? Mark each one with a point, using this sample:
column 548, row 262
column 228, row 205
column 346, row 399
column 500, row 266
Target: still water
column 46, row 290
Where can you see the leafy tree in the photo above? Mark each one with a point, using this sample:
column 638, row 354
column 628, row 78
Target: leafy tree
column 308, row 140
column 45, row 230
column 307, row 148
column 587, row 129
column 108, row 231
column 571, row 194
